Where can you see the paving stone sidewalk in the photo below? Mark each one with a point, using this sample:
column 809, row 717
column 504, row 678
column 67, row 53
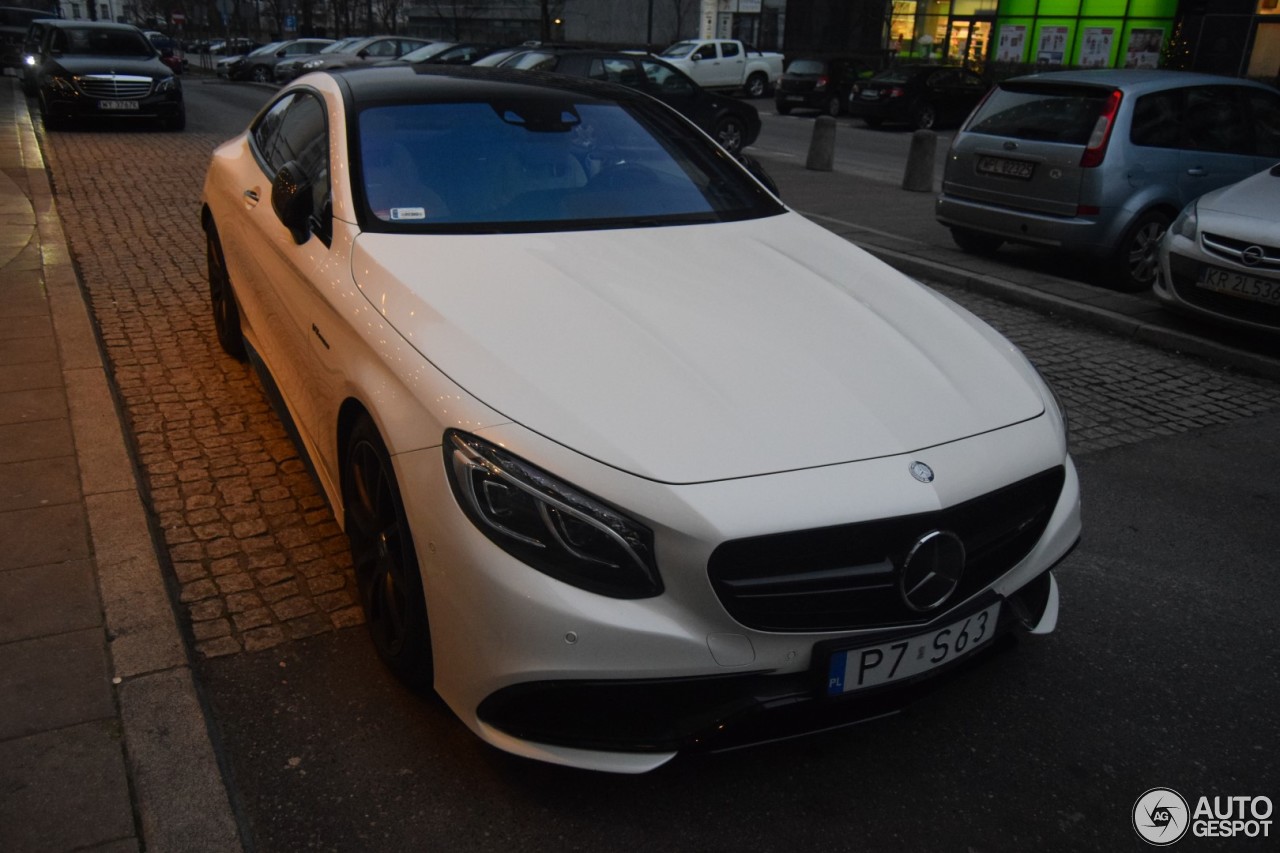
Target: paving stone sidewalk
column 104, row 744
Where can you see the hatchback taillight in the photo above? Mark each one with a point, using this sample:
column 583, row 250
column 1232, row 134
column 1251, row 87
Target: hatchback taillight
column 821, row 83
column 1096, row 148
column 895, row 92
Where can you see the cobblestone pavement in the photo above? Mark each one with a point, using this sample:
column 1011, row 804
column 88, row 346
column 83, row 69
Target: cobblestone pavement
column 255, row 551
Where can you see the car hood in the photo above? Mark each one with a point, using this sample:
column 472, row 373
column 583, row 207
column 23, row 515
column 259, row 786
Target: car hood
column 140, row 66
column 699, row 352
column 1254, row 198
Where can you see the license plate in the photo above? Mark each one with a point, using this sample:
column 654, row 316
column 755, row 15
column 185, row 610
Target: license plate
column 795, row 97
column 117, row 105
column 870, row 95
column 1239, row 284
column 872, row 666
column 1005, row 167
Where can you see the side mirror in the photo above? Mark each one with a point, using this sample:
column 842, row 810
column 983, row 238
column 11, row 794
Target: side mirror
column 292, row 202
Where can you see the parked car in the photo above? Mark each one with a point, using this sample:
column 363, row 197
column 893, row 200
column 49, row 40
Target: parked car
column 733, row 123
column 237, row 62
column 451, row 53
column 14, row 22
column 820, row 83
column 632, row 459
column 291, row 67
column 1098, row 163
column 1220, row 259
column 86, row 69
column 260, row 65
column 352, row 52
column 921, row 96
column 171, row 52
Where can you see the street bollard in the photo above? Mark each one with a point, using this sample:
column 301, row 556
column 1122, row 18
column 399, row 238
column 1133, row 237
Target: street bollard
column 918, row 176
column 822, row 147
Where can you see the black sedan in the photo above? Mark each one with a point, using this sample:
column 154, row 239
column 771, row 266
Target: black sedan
column 922, row 96
column 734, row 124
column 87, row 69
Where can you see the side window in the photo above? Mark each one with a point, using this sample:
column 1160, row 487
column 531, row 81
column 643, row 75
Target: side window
column 264, row 134
column 728, row 49
column 1157, row 120
column 597, row 71
column 1265, row 110
column 385, row 48
column 1216, row 120
column 622, row 71
column 707, row 51
column 666, row 80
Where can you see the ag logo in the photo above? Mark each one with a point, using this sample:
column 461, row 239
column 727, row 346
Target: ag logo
column 1160, row 816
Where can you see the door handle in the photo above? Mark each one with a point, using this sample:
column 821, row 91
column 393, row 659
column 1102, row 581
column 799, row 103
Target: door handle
column 1197, row 171
column 251, row 197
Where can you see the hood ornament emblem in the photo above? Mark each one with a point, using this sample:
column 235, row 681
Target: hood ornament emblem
column 921, row 472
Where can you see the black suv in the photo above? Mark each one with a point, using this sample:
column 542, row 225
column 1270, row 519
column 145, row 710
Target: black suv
column 820, row 83
column 734, row 124
column 86, row 69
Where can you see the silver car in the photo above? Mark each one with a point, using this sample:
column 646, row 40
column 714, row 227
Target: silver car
column 1221, row 257
column 1098, row 163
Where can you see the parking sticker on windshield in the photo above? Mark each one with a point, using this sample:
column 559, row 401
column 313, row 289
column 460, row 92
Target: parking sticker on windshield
column 402, row 214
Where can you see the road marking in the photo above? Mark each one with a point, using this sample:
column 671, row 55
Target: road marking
column 858, row 227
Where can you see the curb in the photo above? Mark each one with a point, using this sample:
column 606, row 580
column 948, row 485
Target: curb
column 177, row 786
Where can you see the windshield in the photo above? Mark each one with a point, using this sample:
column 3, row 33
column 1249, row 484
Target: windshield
column 427, row 51
column 806, row 66
column 530, row 60
column 1066, row 114
column 340, row 46
column 268, row 48
column 95, row 42
column 679, row 49
column 545, row 164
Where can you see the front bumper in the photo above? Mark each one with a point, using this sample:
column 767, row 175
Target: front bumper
column 1181, row 265
column 543, row 669
column 163, row 106
column 1086, row 235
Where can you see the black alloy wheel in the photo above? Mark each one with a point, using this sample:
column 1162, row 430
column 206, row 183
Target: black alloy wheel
column 386, row 563
column 1135, row 264
column 924, row 116
column 757, row 85
column 226, row 313
column 261, row 74
column 835, row 106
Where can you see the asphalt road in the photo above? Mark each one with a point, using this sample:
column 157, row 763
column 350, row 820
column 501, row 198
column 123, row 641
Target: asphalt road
column 1164, row 670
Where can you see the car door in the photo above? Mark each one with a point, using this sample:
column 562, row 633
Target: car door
column 283, row 272
column 732, row 65
column 1218, row 141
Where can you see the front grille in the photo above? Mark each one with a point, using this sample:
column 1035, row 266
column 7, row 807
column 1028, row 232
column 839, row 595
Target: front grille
column 846, row 577
column 115, row 86
column 1267, row 258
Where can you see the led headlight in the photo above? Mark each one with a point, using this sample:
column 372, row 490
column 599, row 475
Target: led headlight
column 168, row 84
column 312, row 64
column 548, row 524
column 62, row 85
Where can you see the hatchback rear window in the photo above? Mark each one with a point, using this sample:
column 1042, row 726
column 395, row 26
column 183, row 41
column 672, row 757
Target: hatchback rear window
column 806, row 66
column 1048, row 114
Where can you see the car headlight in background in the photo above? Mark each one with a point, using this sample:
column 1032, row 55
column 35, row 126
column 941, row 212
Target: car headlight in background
column 62, row 85
column 548, row 524
column 1186, row 224
column 313, row 64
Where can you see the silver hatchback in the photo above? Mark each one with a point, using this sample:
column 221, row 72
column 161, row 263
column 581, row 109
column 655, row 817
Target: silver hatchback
column 1100, row 162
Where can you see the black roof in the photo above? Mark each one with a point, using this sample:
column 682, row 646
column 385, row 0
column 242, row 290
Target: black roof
column 405, row 82
column 84, row 24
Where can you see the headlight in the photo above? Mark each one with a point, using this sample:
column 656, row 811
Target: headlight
column 1186, row 224
column 549, row 524
column 29, row 60
column 167, row 84
column 313, row 64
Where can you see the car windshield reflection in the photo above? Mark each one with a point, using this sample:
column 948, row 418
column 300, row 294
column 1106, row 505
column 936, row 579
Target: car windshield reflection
column 542, row 165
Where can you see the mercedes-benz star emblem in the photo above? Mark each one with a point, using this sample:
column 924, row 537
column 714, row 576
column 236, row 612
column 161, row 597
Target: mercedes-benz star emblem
column 922, row 472
column 931, row 571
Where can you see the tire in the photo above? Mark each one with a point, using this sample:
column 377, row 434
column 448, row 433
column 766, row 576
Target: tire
column 975, row 242
column 834, row 106
column 222, row 299
column 386, row 563
column 1134, row 264
column 757, row 85
column 729, row 132
column 260, row 74
column 781, row 108
column 924, row 116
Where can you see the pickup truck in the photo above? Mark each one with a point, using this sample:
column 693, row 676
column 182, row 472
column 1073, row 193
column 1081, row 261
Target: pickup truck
column 726, row 64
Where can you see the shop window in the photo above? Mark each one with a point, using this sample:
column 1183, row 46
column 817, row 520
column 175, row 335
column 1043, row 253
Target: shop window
column 1264, row 61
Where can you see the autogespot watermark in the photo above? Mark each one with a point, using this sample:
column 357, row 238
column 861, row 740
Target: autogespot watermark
column 1162, row 816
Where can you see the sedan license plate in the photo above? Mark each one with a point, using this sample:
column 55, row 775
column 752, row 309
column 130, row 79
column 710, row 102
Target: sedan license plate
column 1239, row 284
column 872, row 666
column 117, row 105
column 1005, row 167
